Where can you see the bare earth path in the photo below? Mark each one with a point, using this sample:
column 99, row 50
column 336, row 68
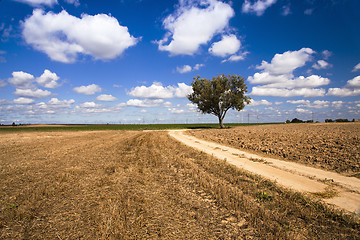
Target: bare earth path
column 292, row 175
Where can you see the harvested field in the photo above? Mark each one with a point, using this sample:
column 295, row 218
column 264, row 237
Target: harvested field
column 145, row 185
column 334, row 146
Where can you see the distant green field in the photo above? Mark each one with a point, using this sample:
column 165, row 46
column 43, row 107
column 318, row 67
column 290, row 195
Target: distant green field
column 127, row 127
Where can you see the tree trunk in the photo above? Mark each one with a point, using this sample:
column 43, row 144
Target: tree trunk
column 221, row 122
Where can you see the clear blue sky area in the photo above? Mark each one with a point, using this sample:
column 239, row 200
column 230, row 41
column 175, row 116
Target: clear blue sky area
column 133, row 61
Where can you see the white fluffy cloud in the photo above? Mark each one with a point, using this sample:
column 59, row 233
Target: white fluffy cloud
column 23, row 100
column 157, row 91
column 258, row 6
column 106, row 98
column 228, row 45
column 88, row 90
column 318, row 104
column 236, row 57
column 301, row 110
column 89, row 105
column 321, row 64
column 263, row 102
column 356, row 68
column 284, row 92
column 354, row 83
column 352, row 88
column 48, row 79
column 22, row 80
column 32, row 93
column 184, row 69
column 56, row 103
column 182, row 90
column 188, row 68
column 343, row 92
column 176, row 111
column 144, row 103
column 277, row 78
column 37, row 3
column 287, row 62
column 62, row 36
column 298, row 101
column 194, row 23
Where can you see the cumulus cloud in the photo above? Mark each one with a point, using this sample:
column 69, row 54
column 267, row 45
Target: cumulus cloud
column 37, row 93
column 298, row 101
column 277, row 78
column 48, row 79
column 228, row 45
column 176, row 111
column 22, row 80
column 183, row 90
column 144, row 103
column 88, row 90
column 62, row 36
column 56, row 103
column 23, row 100
column 38, row 3
column 354, row 83
column 157, row 91
column 352, row 88
column 284, row 92
column 321, row 64
column 188, row 68
column 318, row 104
column 356, row 68
column 89, row 105
column 264, row 102
column 343, row 92
column 194, row 23
column 106, row 98
column 258, row 6
column 326, row 54
column 236, row 57
column 287, row 62
column 301, row 110
column 184, row 69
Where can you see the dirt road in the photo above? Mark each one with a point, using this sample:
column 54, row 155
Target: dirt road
column 341, row 191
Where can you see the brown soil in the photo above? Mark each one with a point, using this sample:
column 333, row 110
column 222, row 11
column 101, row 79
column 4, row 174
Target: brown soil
column 145, row 185
column 329, row 146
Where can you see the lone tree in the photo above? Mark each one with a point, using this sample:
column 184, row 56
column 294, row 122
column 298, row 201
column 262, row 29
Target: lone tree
column 218, row 95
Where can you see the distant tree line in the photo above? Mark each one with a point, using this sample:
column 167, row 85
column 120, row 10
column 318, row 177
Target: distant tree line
column 295, row 120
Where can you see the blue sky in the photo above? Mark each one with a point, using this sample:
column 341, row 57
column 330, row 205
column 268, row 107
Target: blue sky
column 132, row 61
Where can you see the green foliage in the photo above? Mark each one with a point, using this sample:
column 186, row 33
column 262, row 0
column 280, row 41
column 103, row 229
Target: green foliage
column 342, row 120
column 295, row 120
column 264, row 197
column 218, row 95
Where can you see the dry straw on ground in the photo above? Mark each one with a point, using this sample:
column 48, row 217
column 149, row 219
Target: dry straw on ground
column 145, row 185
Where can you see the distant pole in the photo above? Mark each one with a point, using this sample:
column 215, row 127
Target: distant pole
column 248, row 118
column 312, row 116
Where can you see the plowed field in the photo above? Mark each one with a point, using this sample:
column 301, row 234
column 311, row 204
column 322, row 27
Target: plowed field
column 330, row 146
column 145, row 185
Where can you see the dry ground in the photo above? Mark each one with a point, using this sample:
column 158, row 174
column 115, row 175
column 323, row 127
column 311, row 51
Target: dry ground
column 145, row 185
column 331, row 146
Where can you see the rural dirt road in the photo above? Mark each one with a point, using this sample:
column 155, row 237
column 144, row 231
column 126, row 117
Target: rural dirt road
column 288, row 174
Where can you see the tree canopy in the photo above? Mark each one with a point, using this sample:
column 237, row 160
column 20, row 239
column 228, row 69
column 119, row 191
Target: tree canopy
column 218, row 95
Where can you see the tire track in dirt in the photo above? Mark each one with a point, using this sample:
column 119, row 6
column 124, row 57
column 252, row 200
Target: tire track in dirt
column 292, row 175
